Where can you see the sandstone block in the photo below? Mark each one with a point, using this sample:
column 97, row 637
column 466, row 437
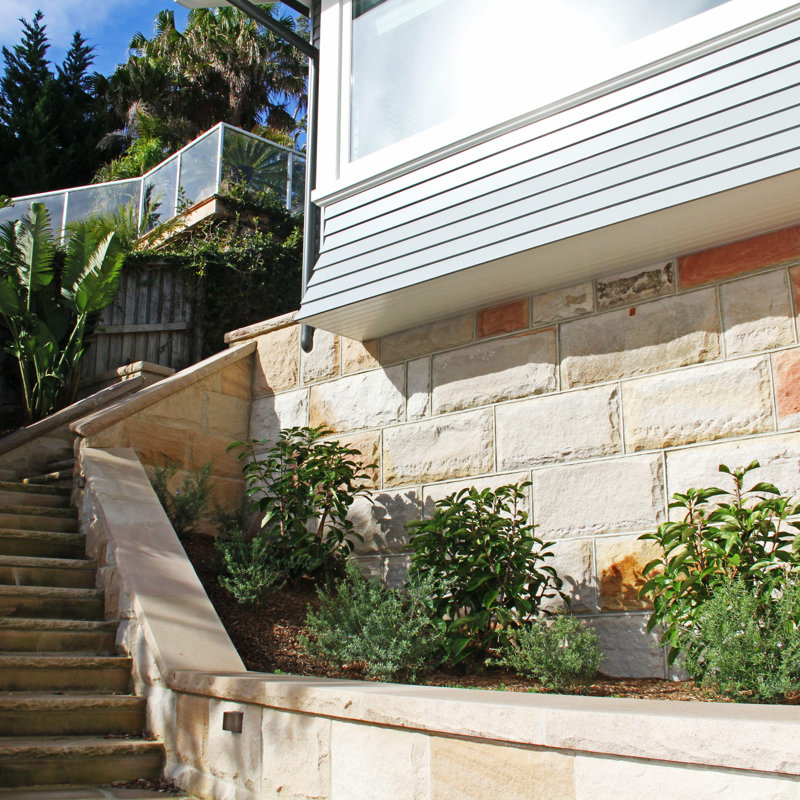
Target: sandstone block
column 559, row 427
column 786, row 372
column 426, row 339
column 627, row 647
column 323, row 360
column 368, row 445
column 563, row 304
column 271, row 413
column 112, row 436
column 180, row 410
column 505, row 318
column 371, row 566
column 574, row 562
column 365, row 400
column 226, row 415
column 191, row 713
column 204, row 448
column 768, row 250
column 297, row 755
column 395, row 570
column 237, row 379
column 620, row 561
column 433, row 493
column 358, row 356
column 382, row 522
column 438, row 449
column 228, row 493
column 419, row 388
column 621, row 494
column 757, row 313
column 235, row 757
column 463, row 770
column 635, row 285
column 277, row 363
column 712, row 401
column 155, row 444
column 670, row 332
column 496, row 370
column 369, row 762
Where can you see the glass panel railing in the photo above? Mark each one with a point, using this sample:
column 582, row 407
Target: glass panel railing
column 54, row 203
column 298, row 189
column 160, row 194
column 259, row 164
column 199, row 169
column 105, row 198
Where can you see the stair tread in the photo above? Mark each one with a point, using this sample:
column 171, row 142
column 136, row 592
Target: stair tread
column 64, row 592
column 34, row 489
column 72, row 746
column 58, row 535
column 37, row 624
column 75, row 792
column 47, row 563
column 62, row 701
column 47, row 477
column 38, row 511
column 48, row 661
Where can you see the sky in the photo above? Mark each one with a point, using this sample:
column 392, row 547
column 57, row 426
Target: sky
column 107, row 24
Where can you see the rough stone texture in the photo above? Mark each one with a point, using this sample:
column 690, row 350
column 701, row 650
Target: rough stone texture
column 382, row 522
column 226, row 415
column 712, row 401
column 204, row 448
column 438, row 449
column 756, row 313
column 771, row 249
column 563, row 304
column 573, row 561
column 504, row 318
column 621, row 494
column 271, row 413
column 699, row 466
column 627, row 647
column 462, row 770
column 628, row 779
column 426, row 339
column 395, row 570
column 296, row 757
column 277, row 361
column 496, row 370
column 561, row 427
column 368, row 763
column 419, row 388
column 365, row 400
column 235, row 757
column 620, row 561
column 323, row 360
column 368, row 445
column 786, row 373
column 237, row 378
column 358, row 356
column 192, row 728
column 433, row 493
column 635, row 285
column 670, row 332
column 184, row 409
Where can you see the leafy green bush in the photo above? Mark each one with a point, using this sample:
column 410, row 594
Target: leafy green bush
column 749, row 538
column 745, row 644
column 486, row 567
column 248, row 567
column 363, row 622
column 304, row 487
column 561, row 653
column 185, row 505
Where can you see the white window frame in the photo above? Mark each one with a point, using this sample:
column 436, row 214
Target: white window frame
column 338, row 177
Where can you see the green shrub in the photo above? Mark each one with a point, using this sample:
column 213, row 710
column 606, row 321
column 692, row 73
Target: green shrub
column 248, row 567
column 185, row 505
column 747, row 645
column 749, row 538
column 486, row 567
column 304, row 487
column 363, row 622
column 561, row 653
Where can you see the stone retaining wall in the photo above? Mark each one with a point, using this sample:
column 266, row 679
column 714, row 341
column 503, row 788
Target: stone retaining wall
column 609, row 396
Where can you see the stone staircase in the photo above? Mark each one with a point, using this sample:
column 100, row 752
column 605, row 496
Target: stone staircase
column 66, row 714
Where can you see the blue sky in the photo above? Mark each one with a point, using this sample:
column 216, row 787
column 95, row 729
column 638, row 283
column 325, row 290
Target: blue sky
column 107, row 24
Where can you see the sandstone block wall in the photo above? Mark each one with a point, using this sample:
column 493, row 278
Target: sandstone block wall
column 609, row 396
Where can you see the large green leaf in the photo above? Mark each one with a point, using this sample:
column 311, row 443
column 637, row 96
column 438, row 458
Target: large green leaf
column 35, row 267
column 10, row 303
column 96, row 279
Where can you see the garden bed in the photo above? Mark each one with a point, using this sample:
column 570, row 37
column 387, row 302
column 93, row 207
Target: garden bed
column 267, row 639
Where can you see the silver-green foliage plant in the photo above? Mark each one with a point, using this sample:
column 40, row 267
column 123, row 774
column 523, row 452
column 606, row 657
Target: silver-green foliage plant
column 249, row 571
column 751, row 538
column 362, row 622
column 488, row 570
column 746, row 645
column 46, row 311
column 561, row 653
column 186, row 504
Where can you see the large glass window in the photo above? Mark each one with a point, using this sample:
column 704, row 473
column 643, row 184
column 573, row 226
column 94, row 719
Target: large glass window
column 419, row 63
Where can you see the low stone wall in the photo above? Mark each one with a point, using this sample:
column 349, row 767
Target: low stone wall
column 317, row 739
column 609, row 396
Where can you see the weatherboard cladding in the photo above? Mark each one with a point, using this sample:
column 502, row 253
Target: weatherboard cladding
column 720, row 121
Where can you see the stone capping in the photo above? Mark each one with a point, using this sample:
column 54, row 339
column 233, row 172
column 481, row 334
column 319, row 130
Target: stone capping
column 101, row 420
column 736, row 736
column 180, row 624
column 77, row 410
column 260, row 328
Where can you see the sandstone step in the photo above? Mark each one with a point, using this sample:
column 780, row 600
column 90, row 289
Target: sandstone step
column 21, row 494
column 34, row 520
column 89, row 793
column 61, row 478
column 30, row 510
column 49, row 544
column 42, row 714
column 51, row 602
column 19, row 635
column 28, row 761
column 76, row 573
column 63, row 464
column 39, row 673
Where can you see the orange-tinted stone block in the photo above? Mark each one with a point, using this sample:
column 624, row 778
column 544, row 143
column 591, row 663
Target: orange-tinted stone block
column 786, row 371
column 503, row 319
column 768, row 250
